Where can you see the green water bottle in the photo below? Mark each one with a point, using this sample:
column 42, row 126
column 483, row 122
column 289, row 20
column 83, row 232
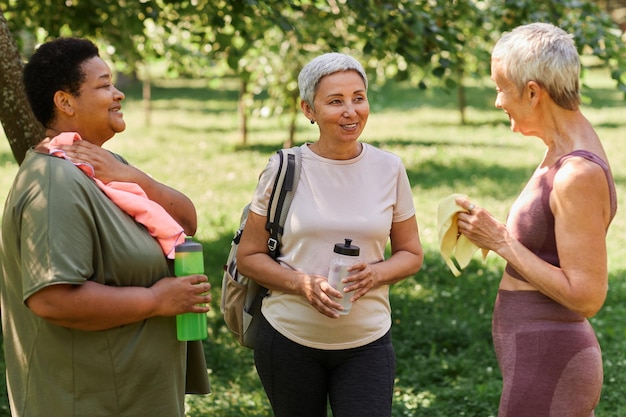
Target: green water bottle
column 188, row 260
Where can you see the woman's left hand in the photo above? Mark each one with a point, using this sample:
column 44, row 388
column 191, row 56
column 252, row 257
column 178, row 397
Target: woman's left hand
column 362, row 279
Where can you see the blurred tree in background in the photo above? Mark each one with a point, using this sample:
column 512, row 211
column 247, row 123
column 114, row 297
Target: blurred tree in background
column 264, row 43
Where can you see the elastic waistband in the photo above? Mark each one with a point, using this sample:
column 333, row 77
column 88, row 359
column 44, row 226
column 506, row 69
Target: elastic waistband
column 518, row 306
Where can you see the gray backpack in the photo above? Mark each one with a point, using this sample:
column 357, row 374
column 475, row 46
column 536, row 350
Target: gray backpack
column 241, row 296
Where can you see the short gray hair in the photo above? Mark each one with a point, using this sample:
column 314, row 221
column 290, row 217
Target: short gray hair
column 321, row 66
column 543, row 53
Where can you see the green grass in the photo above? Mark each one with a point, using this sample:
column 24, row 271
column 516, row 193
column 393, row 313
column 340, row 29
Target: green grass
column 446, row 365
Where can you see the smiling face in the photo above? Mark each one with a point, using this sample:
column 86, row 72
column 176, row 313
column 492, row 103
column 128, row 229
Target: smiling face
column 511, row 100
column 96, row 110
column 341, row 107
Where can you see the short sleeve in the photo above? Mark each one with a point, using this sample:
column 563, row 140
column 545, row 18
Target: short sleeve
column 57, row 229
column 265, row 185
column 405, row 208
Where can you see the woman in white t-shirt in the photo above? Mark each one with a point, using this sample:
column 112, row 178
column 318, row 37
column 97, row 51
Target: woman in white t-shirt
column 306, row 352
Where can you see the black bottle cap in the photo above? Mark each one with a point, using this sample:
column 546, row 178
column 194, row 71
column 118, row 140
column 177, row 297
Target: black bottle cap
column 347, row 248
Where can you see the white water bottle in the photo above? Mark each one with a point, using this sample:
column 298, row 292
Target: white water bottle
column 345, row 254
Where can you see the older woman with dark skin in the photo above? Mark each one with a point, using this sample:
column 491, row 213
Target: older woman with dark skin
column 306, row 352
column 88, row 299
column 554, row 241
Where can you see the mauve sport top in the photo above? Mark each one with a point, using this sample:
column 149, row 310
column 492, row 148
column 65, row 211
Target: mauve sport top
column 532, row 222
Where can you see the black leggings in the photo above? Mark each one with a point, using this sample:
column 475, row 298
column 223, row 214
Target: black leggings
column 298, row 380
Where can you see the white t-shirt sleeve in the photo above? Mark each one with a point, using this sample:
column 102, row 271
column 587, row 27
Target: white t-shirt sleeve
column 263, row 191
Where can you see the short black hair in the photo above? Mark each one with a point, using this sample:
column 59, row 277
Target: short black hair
column 55, row 66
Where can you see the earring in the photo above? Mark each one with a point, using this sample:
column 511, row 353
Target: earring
column 312, row 122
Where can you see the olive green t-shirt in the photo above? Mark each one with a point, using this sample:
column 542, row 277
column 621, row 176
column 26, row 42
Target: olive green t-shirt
column 58, row 227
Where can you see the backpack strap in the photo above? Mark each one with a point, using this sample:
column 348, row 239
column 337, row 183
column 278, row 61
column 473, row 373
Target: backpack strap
column 278, row 207
column 282, row 194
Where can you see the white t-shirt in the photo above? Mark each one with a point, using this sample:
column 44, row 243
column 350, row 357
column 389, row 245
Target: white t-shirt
column 357, row 199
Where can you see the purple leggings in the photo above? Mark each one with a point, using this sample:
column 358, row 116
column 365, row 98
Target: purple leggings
column 549, row 356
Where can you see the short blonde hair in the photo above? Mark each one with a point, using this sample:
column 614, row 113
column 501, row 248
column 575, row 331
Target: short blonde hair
column 543, row 53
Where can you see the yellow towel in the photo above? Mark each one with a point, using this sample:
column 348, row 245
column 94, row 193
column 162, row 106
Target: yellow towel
column 451, row 245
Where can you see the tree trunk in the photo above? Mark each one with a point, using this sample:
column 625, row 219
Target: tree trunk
column 292, row 130
column 243, row 119
column 19, row 123
column 295, row 111
column 147, row 98
column 462, row 100
column 460, row 90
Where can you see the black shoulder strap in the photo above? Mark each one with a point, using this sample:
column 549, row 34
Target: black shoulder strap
column 282, row 194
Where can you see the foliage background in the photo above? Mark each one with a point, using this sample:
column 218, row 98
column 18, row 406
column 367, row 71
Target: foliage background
column 446, row 365
column 265, row 43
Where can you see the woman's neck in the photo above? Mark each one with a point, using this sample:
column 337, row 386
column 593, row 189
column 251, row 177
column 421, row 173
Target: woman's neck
column 349, row 151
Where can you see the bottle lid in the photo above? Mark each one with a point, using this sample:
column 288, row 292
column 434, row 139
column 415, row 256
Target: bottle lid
column 347, row 248
column 189, row 246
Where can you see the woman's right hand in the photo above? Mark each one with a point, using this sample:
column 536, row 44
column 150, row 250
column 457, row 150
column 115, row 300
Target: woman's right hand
column 481, row 227
column 319, row 293
column 94, row 307
column 186, row 294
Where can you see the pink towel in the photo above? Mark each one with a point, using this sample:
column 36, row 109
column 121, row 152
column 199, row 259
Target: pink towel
column 131, row 198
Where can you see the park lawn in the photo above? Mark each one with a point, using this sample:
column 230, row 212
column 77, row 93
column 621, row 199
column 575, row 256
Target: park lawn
column 442, row 324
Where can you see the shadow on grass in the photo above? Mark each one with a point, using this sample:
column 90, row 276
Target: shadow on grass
column 442, row 338
column 468, row 173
